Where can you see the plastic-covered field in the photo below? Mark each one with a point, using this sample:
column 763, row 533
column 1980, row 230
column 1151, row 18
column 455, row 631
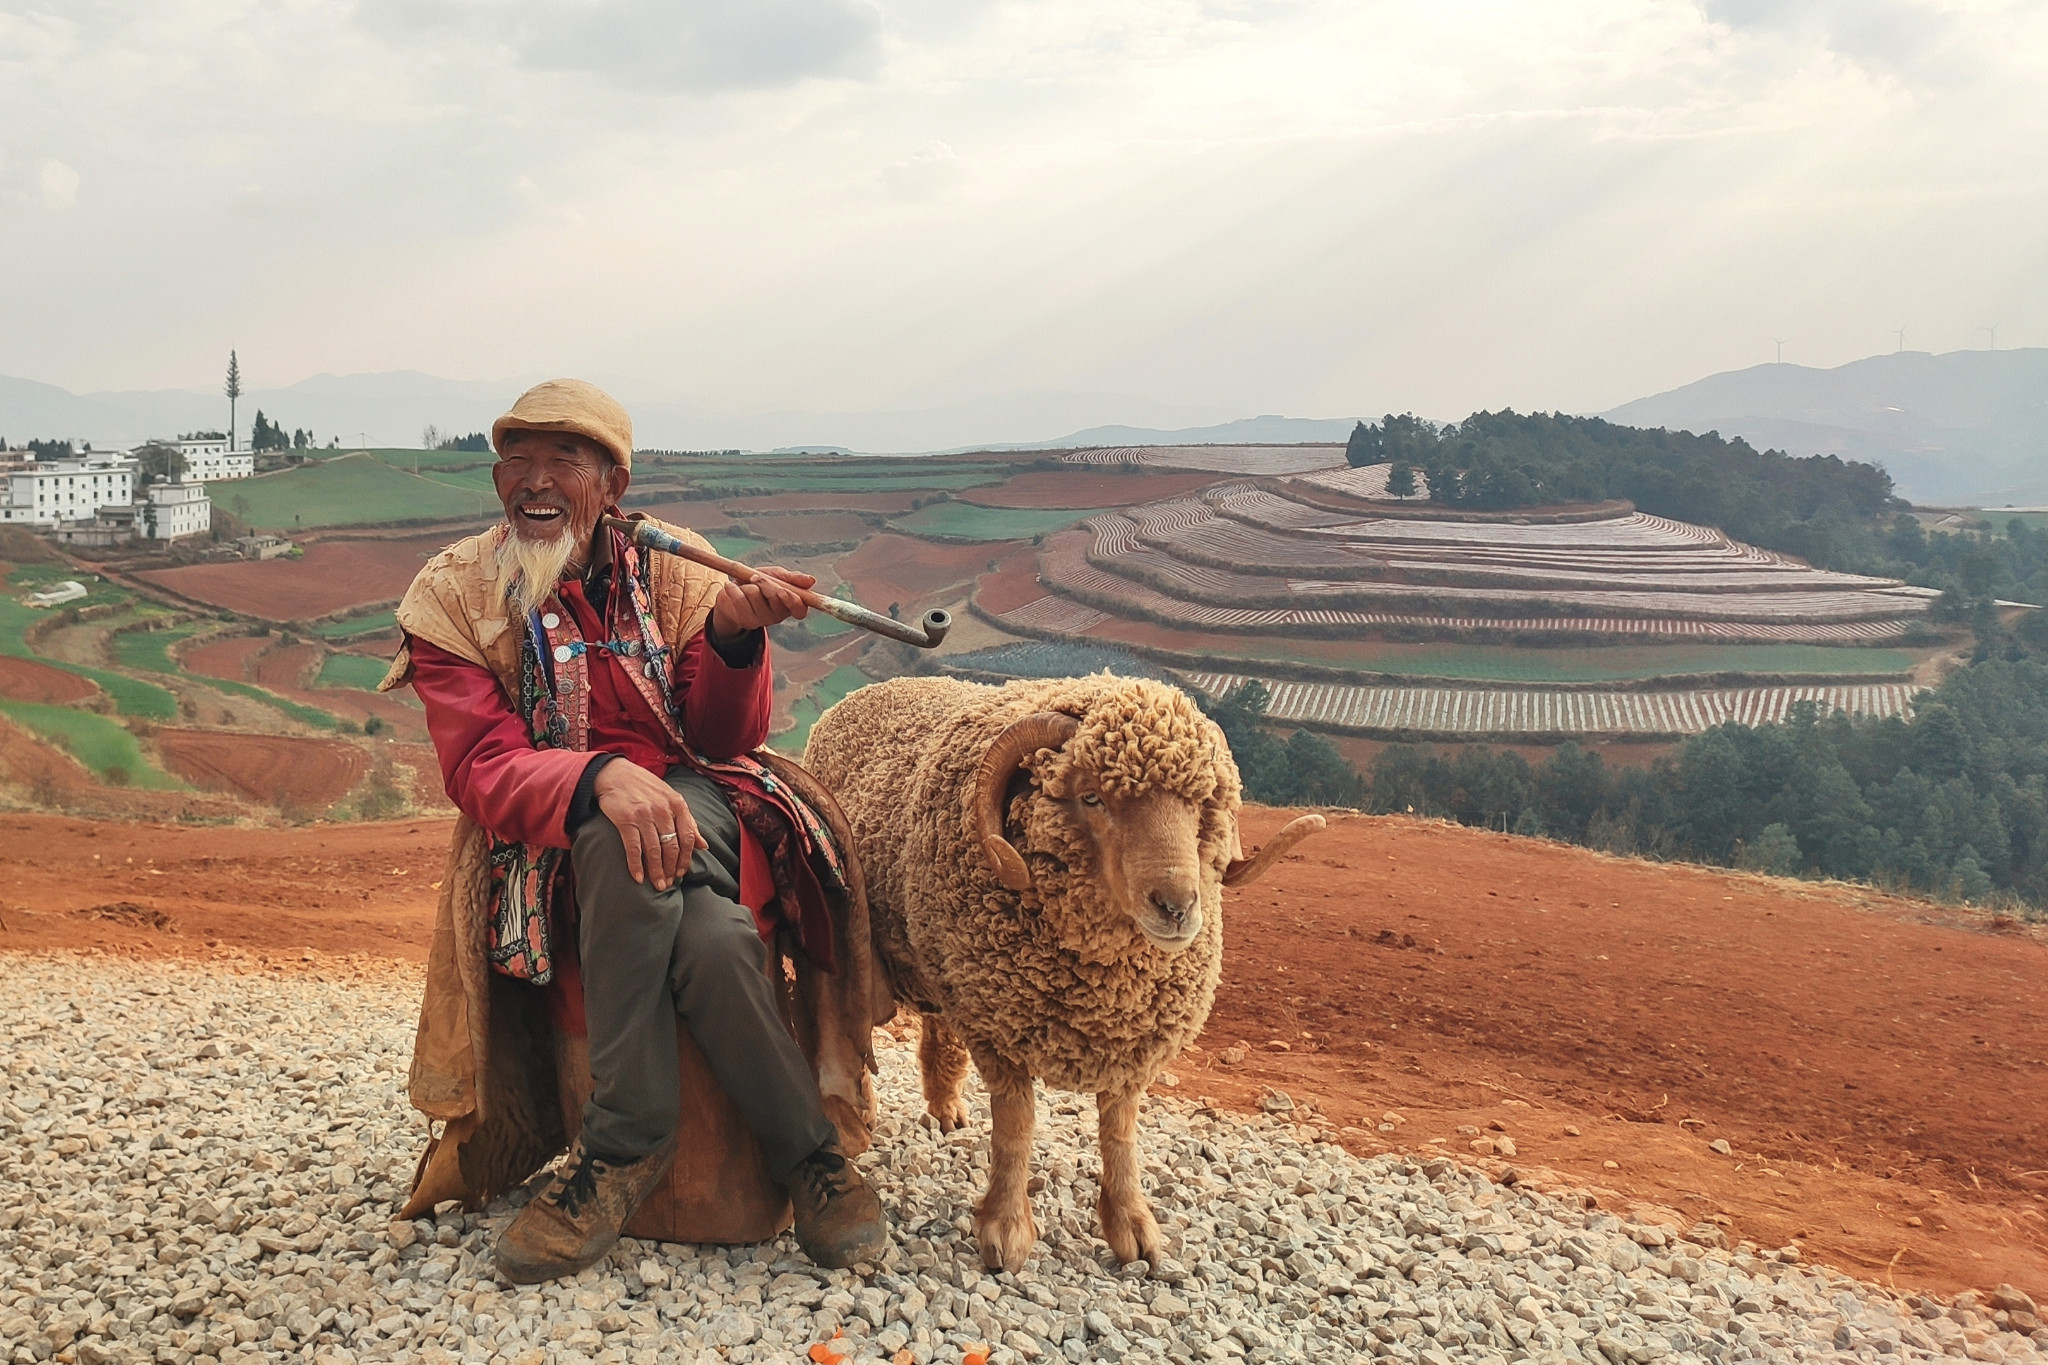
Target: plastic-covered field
column 1503, row 711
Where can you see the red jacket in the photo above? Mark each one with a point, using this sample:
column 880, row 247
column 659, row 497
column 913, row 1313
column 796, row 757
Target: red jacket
column 495, row 775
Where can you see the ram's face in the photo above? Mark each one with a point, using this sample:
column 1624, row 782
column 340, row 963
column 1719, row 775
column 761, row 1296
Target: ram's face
column 1148, row 854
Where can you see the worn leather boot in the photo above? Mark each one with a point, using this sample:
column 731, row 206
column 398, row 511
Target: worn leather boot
column 838, row 1217
column 573, row 1222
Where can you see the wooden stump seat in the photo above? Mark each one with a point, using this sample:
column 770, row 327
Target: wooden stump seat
column 718, row 1190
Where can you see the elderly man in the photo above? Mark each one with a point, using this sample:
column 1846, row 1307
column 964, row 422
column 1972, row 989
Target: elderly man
column 605, row 741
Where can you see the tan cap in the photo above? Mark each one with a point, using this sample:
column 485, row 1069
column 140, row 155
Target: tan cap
column 570, row 405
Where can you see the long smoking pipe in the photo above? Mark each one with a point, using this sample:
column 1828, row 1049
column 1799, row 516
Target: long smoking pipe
column 925, row 635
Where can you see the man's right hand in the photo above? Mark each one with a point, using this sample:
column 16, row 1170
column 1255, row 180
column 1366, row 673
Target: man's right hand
column 645, row 808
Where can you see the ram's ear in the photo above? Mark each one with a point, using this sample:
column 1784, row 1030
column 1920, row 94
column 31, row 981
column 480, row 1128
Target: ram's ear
column 1039, row 730
column 1242, row 871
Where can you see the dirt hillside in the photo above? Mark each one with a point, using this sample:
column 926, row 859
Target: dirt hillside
column 1877, row 1068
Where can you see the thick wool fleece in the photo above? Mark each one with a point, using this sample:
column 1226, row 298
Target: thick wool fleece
column 1050, row 981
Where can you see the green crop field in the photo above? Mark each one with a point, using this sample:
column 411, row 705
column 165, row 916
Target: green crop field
column 354, row 489
column 352, row 670
column 149, row 650
column 98, row 743
column 829, row 690
column 429, row 460
column 742, row 548
column 967, row 521
column 131, row 696
column 357, row 625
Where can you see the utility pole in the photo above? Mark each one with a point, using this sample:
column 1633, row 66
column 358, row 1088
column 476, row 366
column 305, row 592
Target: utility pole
column 233, row 389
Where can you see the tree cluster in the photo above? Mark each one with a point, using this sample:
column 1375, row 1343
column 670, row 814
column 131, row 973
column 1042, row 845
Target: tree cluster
column 476, row 440
column 1952, row 803
column 1303, row 770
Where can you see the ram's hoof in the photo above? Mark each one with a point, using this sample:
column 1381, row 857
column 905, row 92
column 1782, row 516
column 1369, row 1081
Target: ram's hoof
column 1006, row 1237
column 1132, row 1233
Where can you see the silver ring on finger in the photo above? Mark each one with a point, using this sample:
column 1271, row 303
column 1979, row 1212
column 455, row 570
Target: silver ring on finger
column 670, row 837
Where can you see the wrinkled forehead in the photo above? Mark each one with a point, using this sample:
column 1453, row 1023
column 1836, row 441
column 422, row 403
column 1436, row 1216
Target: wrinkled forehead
column 524, row 445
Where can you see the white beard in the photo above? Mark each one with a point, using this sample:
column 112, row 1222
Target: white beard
column 532, row 568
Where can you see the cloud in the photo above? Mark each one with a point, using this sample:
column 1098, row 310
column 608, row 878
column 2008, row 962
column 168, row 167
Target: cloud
column 57, row 183
column 671, row 46
column 923, row 174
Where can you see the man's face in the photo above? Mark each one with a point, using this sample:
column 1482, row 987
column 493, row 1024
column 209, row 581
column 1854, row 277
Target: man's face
column 555, row 484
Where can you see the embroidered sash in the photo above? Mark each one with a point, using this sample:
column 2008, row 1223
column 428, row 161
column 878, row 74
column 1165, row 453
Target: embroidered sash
column 554, row 696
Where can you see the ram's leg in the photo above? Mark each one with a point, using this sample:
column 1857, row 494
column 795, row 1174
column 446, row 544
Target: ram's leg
column 1004, row 1225
column 1127, row 1223
column 942, row 1066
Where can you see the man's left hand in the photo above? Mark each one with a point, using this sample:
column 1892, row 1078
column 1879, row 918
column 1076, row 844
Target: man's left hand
column 767, row 601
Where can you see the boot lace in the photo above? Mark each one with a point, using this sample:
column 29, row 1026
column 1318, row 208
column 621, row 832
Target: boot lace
column 578, row 1187
column 823, row 1174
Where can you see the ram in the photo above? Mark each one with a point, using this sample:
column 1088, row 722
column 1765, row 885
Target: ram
column 1045, row 865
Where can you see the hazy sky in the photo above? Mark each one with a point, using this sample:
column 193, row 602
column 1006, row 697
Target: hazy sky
column 1319, row 209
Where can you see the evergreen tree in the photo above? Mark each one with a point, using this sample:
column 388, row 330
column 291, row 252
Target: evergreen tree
column 1363, row 448
column 233, row 389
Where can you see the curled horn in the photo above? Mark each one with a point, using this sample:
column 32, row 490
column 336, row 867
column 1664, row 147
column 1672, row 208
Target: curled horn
column 1242, row 870
column 1039, row 730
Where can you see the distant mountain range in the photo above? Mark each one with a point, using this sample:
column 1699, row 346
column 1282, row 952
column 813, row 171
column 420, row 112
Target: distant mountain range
column 392, row 409
column 1966, row 428
column 1969, row 427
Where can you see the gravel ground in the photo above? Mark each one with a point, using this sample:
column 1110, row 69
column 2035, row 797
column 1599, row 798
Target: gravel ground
column 198, row 1165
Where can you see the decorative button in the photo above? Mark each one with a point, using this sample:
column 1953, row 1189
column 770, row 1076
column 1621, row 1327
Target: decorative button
column 551, row 620
column 563, row 654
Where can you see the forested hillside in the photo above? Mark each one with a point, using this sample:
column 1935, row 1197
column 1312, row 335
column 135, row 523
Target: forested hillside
column 1952, row 803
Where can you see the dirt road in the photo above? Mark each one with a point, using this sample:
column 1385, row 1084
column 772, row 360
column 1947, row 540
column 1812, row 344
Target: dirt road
column 1878, row 1068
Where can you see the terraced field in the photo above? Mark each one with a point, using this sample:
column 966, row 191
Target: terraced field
column 1551, row 712
column 1316, row 575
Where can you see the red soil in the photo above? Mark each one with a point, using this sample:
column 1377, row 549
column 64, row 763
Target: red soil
column 288, row 670
column 1874, row 1063
column 698, row 516
column 1087, row 486
column 1014, row 583
column 890, row 503
column 1879, row 1066
column 427, row 789
column 333, row 576
column 228, row 658
column 810, row 528
column 287, row 667
column 892, row 568
column 27, row 680
column 273, row 769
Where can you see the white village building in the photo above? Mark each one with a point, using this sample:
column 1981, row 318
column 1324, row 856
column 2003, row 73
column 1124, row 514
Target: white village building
column 45, row 492
column 208, row 458
column 173, row 510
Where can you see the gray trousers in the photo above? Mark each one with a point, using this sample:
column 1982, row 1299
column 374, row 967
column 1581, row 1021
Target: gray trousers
column 650, row 956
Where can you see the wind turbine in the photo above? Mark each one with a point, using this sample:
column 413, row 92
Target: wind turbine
column 1900, row 332
column 1993, row 330
column 1781, row 349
